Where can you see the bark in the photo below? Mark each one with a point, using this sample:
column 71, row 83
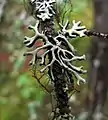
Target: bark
column 61, row 96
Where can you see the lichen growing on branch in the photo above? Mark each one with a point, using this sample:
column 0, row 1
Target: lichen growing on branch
column 43, row 9
column 58, row 55
column 63, row 56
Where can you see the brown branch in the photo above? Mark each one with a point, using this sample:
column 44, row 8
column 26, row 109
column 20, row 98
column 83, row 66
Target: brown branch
column 93, row 33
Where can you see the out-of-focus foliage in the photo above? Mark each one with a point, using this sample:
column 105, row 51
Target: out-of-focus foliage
column 21, row 97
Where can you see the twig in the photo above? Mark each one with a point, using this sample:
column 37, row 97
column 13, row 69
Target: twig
column 93, row 33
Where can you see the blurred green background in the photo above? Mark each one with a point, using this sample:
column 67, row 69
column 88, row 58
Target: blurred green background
column 21, row 97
